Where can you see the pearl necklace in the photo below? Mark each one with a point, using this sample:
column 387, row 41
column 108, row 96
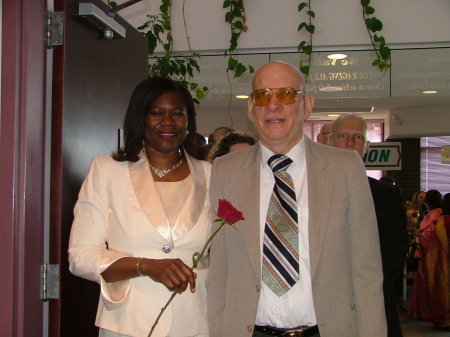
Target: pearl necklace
column 161, row 173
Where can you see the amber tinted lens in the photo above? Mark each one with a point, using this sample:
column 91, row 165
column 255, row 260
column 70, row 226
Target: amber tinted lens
column 285, row 96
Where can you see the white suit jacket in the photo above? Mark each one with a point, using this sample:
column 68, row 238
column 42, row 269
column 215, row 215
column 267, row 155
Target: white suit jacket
column 346, row 273
column 119, row 205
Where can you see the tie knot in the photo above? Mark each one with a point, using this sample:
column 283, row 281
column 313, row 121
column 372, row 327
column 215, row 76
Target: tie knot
column 279, row 162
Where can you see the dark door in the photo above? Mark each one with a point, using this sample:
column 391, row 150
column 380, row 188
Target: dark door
column 92, row 81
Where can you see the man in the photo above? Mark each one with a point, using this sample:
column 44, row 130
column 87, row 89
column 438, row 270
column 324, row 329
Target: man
column 334, row 278
column 325, row 133
column 350, row 132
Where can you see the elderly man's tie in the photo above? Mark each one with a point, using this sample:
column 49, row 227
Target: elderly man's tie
column 280, row 270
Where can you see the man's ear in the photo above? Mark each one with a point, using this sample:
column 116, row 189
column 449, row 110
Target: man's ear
column 308, row 107
column 250, row 107
column 366, row 147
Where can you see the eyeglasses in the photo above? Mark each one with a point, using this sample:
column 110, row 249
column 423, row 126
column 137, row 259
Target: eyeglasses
column 262, row 97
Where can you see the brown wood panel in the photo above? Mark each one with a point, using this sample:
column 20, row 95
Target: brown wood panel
column 92, row 82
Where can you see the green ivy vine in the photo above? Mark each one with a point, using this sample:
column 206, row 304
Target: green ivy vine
column 235, row 16
column 306, row 47
column 374, row 25
column 158, row 30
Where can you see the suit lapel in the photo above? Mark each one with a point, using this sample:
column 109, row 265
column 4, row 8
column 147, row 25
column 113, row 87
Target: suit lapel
column 250, row 188
column 320, row 191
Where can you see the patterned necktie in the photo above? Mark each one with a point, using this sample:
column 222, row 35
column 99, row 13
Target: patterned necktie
column 280, row 247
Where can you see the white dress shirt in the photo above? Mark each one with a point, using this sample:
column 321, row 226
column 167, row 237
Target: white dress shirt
column 295, row 307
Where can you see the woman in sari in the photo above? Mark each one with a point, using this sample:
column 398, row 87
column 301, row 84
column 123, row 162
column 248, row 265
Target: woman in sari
column 431, row 300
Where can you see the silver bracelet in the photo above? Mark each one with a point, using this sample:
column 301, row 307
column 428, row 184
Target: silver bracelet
column 137, row 267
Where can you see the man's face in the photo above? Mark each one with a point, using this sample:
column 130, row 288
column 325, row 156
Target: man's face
column 349, row 134
column 325, row 134
column 280, row 126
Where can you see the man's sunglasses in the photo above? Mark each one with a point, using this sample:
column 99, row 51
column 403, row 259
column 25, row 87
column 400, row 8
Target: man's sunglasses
column 262, row 97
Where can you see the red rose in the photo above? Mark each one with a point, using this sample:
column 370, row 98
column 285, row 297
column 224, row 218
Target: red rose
column 227, row 212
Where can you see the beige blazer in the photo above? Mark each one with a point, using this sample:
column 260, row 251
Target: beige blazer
column 118, row 204
column 344, row 247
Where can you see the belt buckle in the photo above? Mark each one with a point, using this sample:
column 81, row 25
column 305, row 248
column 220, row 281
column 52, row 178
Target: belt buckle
column 298, row 332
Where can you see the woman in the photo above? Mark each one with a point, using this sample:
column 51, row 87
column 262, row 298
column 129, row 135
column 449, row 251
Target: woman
column 414, row 212
column 140, row 216
column 229, row 143
column 422, row 303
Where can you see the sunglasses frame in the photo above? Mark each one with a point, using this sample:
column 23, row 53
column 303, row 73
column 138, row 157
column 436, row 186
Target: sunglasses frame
column 302, row 92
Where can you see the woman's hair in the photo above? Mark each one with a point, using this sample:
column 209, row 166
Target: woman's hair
column 433, row 199
column 143, row 97
column 446, row 204
column 415, row 204
column 223, row 145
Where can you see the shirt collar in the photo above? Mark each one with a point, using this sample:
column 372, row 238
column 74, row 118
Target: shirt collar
column 296, row 153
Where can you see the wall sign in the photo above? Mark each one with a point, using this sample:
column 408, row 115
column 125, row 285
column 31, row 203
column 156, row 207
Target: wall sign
column 383, row 156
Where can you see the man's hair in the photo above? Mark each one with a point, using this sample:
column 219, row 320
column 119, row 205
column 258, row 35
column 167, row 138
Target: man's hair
column 225, row 129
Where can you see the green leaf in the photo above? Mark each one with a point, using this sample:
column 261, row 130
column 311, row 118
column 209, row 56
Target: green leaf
column 183, row 69
column 311, row 14
column 226, row 3
column 376, row 62
column 233, row 44
column 240, row 69
column 301, row 26
column 200, row 93
column 365, row 3
column 239, row 25
column 193, row 86
column 158, row 29
column 189, row 70
column 307, row 49
column 232, row 63
column 374, row 24
column 300, row 46
column 304, row 69
column 385, row 53
column 369, row 10
column 379, row 39
column 310, row 28
column 302, row 5
column 229, row 17
column 251, row 70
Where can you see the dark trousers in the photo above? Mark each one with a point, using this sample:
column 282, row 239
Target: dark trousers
column 262, row 334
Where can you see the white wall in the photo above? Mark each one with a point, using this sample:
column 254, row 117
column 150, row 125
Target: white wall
column 273, row 24
column 420, row 122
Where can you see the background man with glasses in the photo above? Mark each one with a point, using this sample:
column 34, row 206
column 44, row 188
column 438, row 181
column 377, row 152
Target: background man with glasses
column 350, row 132
column 306, row 259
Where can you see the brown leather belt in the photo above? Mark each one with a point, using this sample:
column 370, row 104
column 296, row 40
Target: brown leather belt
column 301, row 331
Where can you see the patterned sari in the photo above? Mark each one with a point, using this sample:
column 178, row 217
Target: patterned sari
column 430, row 300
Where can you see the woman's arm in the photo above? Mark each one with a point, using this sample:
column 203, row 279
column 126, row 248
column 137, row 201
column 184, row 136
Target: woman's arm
column 173, row 273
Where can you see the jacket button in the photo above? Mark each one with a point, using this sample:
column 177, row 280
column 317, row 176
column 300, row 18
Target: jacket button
column 258, row 289
column 249, row 328
column 166, row 249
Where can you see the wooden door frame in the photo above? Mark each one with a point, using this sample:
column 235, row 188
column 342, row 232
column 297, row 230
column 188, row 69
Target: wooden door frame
column 22, row 151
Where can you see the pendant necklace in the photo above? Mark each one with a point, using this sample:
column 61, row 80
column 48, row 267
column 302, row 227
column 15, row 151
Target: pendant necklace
column 161, row 173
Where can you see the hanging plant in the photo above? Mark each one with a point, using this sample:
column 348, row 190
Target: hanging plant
column 374, row 25
column 235, row 16
column 158, row 30
column 306, row 47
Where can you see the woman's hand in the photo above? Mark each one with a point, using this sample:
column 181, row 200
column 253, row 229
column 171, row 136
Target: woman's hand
column 173, row 273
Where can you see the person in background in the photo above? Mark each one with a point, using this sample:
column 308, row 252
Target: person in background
column 417, row 210
column 231, row 142
column 430, row 297
column 325, row 133
column 214, row 137
column 306, row 259
column 349, row 132
column 140, row 216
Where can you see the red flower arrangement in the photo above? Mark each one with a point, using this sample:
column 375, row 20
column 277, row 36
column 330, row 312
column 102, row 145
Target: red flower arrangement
column 226, row 214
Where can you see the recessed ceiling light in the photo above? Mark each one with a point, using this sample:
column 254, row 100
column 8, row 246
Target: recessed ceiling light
column 333, row 115
column 242, row 96
column 337, row 56
column 429, row 92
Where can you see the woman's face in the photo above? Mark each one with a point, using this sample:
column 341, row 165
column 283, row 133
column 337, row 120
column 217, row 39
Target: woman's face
column 166, row 123
column 420, row 198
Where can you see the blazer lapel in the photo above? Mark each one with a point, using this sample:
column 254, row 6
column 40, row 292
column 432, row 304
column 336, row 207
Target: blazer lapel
column 320, row 191
column 249, row 190
column 194, row 204
column 147, row 195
